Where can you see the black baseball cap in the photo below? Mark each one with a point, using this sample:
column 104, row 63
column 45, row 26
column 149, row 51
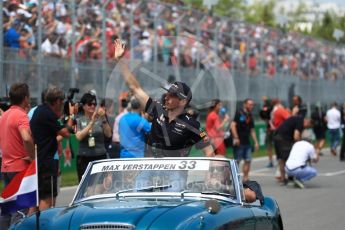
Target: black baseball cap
column 181, row 90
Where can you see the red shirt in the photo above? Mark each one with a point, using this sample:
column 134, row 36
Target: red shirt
column 252, row 62
column 11, row 142
column 213, row 122
column 279, row 116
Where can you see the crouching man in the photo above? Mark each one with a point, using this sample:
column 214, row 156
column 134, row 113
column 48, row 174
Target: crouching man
column 296, row 165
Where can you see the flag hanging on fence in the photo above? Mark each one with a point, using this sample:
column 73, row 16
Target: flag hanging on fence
column 21, row 192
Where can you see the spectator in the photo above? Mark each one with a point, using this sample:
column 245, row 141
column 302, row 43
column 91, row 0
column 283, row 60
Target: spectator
column 13, row 37
column 45, row 129
column 132, row 128
column 297, row 107
column 16, row 142
column 116, row 135
column 288, row 132
column 297, row 163
column 319, row 127
column 333, row 118
column 215, row 125
column 265, row 114
column 252, row 64
column 108, row 106
column 50, row 46
column 242, row 127
column 92, row 127
column 342, row 150
column 279, row 115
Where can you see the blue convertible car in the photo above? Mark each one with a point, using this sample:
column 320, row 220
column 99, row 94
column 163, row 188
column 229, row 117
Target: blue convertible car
column 159, row 193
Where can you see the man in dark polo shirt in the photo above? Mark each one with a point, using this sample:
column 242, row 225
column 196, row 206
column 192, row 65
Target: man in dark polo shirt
column 242, row 128
column 45, row 128
column 285, row 136
column 173, row 131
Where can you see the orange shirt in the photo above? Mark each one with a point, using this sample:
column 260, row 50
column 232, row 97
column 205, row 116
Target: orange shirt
column 213, row 123
column 279, row 116
column 11, row 142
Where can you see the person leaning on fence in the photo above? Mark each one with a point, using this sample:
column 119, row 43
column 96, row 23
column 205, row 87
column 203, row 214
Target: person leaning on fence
column 173, row 131
column 45, row 130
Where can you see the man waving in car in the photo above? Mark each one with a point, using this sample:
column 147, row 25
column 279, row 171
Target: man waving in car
column 173, row 131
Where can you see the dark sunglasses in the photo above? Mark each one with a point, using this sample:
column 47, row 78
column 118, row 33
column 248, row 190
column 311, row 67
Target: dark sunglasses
column 91, row 104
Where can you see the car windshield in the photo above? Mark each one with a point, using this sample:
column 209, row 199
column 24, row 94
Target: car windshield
column 182, row 176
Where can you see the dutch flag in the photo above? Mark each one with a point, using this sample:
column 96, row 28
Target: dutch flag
column 21, row 192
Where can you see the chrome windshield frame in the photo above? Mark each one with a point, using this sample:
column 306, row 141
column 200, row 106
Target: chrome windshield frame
column 236, row 178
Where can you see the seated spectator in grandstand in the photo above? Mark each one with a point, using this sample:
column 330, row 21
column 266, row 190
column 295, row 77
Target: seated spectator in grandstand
column 51, row 25
column 167, row 49
column 252, row 64
column 13, row 37
column 215, row 125
column 271, row 69
column 132, row 128
column 50, row 46
column 24, row 43
column 92, row 127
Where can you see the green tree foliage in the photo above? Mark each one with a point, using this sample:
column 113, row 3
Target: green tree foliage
column 230, row 8
column 261, row 12
column 195, row 4
column 326, row 27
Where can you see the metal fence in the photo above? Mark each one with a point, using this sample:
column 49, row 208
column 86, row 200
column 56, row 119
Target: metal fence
column 213, row 83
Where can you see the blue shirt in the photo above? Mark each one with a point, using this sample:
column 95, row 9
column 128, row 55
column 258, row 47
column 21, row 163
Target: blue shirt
column 132, row 128
column 12, row 38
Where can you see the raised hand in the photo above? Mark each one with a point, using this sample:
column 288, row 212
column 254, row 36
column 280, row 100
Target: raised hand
column 119, row 49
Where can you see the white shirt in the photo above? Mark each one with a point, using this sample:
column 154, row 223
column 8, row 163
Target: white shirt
column 301, row 152
column 333, row 118
column 116, row 135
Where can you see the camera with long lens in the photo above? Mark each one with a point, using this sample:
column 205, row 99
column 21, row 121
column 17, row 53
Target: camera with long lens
column 70, row 97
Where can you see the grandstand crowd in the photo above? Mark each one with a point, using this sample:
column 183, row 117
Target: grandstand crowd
column 150, row 28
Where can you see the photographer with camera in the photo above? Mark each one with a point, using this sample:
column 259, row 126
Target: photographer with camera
column 70, row 108
column 92, row 128
column 45, row 129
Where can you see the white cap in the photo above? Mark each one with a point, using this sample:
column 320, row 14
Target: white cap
column 146, row 34
column 24, row 12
